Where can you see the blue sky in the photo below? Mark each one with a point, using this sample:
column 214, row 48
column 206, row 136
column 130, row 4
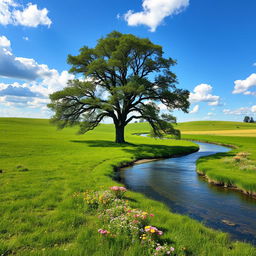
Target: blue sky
column 214, row 43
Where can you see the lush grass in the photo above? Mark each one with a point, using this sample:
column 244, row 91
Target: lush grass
column 39, row 216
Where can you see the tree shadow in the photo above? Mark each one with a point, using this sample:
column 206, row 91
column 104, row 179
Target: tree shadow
column 103, row 143
column 140, row 151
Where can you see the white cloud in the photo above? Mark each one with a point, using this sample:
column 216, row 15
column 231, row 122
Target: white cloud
column 194, row 110
column 25, row 38
column 32, row 95
column 4, row 42
column 240, row 111
column 30, row 16
column 245, row 86
column 5, row 13
column 254, row 64
column 253, row 109
column 154, row 12
column 39, row 81
column 162, row 107
column 19, row 67
column 202, row 93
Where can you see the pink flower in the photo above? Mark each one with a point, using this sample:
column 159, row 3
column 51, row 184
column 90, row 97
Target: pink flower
column 115, row 188
column 172, row 249
column 152, row 215
column 158, row 248
column 103, row 231
column 160, row 233
column 122, row 189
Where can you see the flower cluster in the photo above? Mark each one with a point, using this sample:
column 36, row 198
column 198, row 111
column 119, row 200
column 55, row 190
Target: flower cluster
column 118, row 218
column 96, row 199
column 163, row 250
column 153, row 230
column 118, row 191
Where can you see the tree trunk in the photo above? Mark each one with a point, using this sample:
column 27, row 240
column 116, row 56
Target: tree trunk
column 120, row 134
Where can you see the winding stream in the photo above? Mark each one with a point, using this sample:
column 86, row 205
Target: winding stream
column 175, row 182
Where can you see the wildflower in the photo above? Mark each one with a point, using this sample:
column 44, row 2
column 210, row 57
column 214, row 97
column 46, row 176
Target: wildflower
column 160, row 233
column 103, row 231
column 114, row 188
column 147, row 228
column 118, row 191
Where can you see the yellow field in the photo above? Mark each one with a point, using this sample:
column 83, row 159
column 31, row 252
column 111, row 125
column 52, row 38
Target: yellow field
column 242, row 133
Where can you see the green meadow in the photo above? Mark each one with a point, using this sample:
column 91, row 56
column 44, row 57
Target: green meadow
column 43, row 167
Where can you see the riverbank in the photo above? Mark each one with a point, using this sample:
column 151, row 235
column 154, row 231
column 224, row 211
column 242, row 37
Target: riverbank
column 229, row 169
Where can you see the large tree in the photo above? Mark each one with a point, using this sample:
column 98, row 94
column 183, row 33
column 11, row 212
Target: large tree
column 123, row 77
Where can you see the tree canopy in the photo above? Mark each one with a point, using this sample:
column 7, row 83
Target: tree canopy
column 124, row 78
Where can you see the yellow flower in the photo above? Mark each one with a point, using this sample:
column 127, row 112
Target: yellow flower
column 147, row 227
column 152, row 230
column 144, row 213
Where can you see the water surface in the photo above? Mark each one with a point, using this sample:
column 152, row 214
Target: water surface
column 175, row 182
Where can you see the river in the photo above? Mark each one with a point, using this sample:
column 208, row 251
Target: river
column 175, row 182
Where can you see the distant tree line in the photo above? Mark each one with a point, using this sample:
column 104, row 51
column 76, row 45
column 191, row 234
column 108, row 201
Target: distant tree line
column 248, row 119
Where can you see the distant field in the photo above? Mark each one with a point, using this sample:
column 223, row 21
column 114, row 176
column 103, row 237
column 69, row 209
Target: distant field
column 218, row 128
column 222, row 128
column 242, row 133
column 215, row 126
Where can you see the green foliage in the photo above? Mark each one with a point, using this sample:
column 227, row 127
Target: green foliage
column 124, row 78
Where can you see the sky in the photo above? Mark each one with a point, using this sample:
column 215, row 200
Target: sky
column 213, row 41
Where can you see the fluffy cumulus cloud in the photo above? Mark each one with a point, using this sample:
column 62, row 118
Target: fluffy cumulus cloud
column 194, row 110
column 240, row 111
column 246, row 86
column 38, row 81
column 154, row 12
column 203, row 93
column 29, row 16
column 19, row 67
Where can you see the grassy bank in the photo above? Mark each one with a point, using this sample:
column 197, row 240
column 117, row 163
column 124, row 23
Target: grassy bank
column 42, row 169
column 229, row 169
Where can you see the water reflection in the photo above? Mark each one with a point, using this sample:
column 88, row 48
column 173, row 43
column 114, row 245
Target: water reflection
column 175, row 182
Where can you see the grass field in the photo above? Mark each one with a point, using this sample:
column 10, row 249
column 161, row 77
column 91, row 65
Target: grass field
column 215, row 125
column 43, row 168
column 221, row 128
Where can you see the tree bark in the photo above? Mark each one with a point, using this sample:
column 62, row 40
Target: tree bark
column 120, row 134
